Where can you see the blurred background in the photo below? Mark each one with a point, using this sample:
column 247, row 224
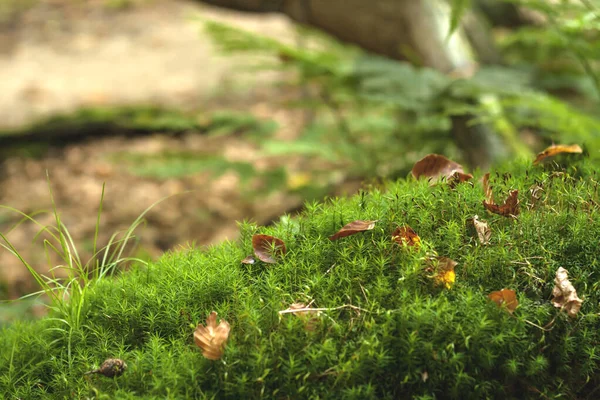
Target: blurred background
column 245, row 109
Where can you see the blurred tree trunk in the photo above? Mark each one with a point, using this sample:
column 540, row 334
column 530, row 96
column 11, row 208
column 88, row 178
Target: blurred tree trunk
column 414, row 30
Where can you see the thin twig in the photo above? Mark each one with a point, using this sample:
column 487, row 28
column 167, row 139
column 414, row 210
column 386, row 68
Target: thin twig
column 297, row 310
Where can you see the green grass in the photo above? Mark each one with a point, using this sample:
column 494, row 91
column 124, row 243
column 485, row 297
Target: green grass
column 402, row 337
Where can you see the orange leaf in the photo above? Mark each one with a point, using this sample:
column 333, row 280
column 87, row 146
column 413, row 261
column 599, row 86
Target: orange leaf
column 557, row 149
column 267, row 247
column 436, row 166
column 352, row 228
column 565, row 295
column 505, row 297
column 405, row 235
column 212, row 337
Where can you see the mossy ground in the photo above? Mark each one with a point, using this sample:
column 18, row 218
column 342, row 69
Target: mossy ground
column 409, row 337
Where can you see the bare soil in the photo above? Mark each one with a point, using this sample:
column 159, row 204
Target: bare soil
column 62, row 55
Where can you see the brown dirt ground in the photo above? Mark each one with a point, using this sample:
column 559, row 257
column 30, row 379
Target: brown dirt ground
column 64, row 55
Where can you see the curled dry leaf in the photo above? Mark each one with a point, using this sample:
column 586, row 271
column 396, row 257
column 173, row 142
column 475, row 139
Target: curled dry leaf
column 310, row 316
column 458, row 177
column 406, row 236
column 212, row 337
column 248, row 260
column 509, row 208
column 443, row 268
column 483, row 230
column 565, row 295
column 352, row 228
column 557, row 149
column 505, row 297
column 436, row 166
column 267, row 248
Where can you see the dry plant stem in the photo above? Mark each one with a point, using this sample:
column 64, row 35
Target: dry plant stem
column 355, row 308
column 547, row 328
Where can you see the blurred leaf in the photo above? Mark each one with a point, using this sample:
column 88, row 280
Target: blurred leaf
column 459, row 7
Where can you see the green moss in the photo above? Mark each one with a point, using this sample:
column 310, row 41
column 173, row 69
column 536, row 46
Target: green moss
column 409, row 338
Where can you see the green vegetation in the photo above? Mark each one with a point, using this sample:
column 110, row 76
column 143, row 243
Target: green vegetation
column 402, row 336
column 375, row 117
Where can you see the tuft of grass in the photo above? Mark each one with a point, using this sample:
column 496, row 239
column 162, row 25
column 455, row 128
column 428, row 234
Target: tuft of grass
column 68, row 298
column 386, row 330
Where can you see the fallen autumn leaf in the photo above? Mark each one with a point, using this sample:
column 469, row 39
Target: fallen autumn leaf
column 353, row 228
column 436, row 166
column 506, row 298
column 509, row 208
column 483, row 230
column 557, row 149
column 406, row 236
column 212, row 337
column 266, row 248
column 565, row 295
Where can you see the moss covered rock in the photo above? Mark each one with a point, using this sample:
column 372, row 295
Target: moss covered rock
column 387, row 328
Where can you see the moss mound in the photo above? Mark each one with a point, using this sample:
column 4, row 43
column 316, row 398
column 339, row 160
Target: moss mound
column 398, row 334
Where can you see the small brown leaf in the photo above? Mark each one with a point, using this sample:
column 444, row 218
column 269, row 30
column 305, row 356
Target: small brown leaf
column 458, row 177
column 557, row 149
column 565, row 295
column 509, row 208
column 310, row 316
column 266, row 248
column 248, row 260
column 436, row 166
column 406, row 236
column 352, row 228
column 489, row 196
column 212, row 337
column 505, row 297
column 483, row 230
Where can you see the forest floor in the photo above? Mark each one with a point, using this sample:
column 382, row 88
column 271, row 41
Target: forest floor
column 62, row 55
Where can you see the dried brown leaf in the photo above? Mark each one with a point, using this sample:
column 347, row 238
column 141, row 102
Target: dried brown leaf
column 557, row 149
column 505, row 297
column 212, row 337
column 565, row 295
column 483, row 230
column 489, row 195
column 353, row 228
column 267, row 248
column 509, row 208
column 248, row 260
column 406, row 236
column 458, row 177
column 436, row 166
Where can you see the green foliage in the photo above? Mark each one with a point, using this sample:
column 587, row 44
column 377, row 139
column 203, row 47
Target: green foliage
column 401, row 337
column 376, row 117
column 459, row 7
